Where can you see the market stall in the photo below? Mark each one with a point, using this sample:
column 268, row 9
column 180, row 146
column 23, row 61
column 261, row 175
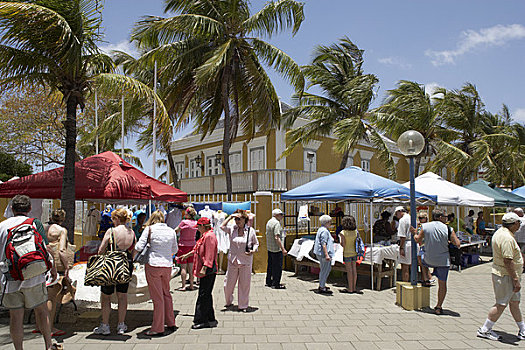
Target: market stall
column 355, row 185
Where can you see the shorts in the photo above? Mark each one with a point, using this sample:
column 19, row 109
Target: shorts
column 421, row 251
column 121, row 288
column 504, row 290
column 184, row 249
column 28, row 298
column 441, row 272
column 407, row 259
column 347, row 259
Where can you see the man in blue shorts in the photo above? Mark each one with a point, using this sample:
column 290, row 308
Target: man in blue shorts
column 436, row 238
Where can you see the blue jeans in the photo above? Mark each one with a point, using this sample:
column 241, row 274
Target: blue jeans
column 326, row 267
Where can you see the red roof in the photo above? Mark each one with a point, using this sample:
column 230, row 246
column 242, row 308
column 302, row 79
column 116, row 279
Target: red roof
column 99, row 177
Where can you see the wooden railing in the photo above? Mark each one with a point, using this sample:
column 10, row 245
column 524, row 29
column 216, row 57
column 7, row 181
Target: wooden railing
column 275, row 180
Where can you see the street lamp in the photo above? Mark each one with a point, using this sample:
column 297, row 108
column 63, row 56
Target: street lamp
column 310, row 156
column 411, row 143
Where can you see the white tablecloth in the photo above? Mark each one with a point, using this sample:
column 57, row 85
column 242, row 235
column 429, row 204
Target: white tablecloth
column 302, row 248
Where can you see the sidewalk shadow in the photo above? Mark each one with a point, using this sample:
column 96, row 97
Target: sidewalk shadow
column 446, row 312
column 143, row 335
column 507, row 338
column 112, row 337
column 249, row 309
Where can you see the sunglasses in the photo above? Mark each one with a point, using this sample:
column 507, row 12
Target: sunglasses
column 237, row 219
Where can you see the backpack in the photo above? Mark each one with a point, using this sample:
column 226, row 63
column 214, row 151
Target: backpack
column 26, row 252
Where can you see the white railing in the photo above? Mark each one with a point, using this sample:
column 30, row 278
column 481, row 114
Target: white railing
column 274, row 180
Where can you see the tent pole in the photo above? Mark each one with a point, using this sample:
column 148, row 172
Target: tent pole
column 122, row 130
column 82, row 227
column 457, row 216
column 494, row 218
column 154, row 122
column 371, row 244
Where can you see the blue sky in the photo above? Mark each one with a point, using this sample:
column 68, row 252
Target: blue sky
column 445, row 43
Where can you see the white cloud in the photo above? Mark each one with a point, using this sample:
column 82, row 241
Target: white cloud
column 519, row 115
column 395, row 61
column 430, row 88
column 123, row 45
column 487, row 37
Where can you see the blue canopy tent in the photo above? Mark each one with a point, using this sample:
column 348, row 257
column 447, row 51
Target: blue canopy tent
column 520, row 191
column 354, row 184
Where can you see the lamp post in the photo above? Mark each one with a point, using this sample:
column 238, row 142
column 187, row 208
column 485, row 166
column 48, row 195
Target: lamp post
column 411, row 143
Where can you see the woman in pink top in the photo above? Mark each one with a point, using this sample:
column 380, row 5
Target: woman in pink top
column 187, row 232
column 243, row 243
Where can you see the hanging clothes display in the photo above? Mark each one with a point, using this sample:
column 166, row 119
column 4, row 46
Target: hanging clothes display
column 91, row 224
column 207, row 213
column 105, row 221
column 223, row 242
column 174, row 215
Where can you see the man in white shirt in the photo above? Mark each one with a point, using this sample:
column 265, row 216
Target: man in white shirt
column 469, row 222
column 27, row 294
column 405, row 245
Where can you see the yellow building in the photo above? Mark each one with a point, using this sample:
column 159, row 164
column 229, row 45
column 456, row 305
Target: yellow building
column 257, row 164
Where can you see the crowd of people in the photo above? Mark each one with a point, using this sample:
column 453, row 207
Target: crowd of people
column 193, row 244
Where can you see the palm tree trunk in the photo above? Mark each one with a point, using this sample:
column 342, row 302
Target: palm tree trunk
column 173, row 172
column 226, row 143
column 417, row 164
column 68, row 183
column 344, row 160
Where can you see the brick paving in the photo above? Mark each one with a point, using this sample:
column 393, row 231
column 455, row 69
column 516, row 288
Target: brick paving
column 297, row 318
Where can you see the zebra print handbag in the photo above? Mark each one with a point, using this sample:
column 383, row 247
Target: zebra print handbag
column 109, row 269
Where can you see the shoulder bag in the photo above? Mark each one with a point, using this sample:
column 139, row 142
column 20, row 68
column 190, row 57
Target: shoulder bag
column 109, row 269
column 143, row 257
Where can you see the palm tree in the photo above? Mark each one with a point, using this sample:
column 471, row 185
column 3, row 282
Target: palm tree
column 212, row 58
column 464, row 115
column 54, row 44
column 342, row 107
column 410, row 107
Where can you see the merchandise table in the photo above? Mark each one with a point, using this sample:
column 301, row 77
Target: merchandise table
column 384, row 260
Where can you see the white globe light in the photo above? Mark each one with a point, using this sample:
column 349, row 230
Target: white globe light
column 411, row 143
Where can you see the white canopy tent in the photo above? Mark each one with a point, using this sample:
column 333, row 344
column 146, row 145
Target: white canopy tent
column 449, row 193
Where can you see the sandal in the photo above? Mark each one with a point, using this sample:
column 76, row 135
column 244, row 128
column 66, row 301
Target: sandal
column 426, row 283
column 56, row 346
column 438, row 310
column 58, row 333
column 346, row 291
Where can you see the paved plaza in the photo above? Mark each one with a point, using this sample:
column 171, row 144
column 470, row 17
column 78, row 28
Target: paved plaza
column 297, row 318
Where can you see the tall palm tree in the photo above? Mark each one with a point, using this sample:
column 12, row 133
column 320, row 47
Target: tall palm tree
column 464, row 115
column 342, row 107
column 54, row 44
column 211, row 54
column 410, row 107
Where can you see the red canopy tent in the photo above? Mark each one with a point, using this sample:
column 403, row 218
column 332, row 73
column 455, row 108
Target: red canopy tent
column 103, row 177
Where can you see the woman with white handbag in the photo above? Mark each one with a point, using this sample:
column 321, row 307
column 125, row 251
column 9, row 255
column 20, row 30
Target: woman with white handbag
column 158, row 244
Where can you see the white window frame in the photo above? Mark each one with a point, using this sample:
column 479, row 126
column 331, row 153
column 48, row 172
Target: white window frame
column 365, row 165
column 215, row 168
column 180, row 169
column 194, row 169
column 240, row 161
column 250, row 156
column 306, row 161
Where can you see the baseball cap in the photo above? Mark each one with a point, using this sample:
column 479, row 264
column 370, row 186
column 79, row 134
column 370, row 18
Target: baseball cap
column 510, row 218
column 276, row 211
column 203, row 221
column 400, row 208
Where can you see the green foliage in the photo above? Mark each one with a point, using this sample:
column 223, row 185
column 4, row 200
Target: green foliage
column 10, row 166
column 342, row 107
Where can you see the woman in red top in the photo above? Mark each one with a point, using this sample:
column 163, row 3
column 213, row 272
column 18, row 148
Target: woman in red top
column 205, row 267
column 187, row 231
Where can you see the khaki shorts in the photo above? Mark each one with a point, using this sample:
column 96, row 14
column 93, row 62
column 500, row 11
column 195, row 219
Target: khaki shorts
column 504, row 290
column 28, row 298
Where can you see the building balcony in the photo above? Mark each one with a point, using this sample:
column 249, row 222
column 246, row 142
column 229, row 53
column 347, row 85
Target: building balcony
column 275, row 180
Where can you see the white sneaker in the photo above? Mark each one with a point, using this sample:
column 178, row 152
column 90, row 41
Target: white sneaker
column 521, row 335
column 103, row 329
column 490, row 334
column 121, row 328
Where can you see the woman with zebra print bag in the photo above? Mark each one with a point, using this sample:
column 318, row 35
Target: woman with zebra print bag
column 117, row 265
